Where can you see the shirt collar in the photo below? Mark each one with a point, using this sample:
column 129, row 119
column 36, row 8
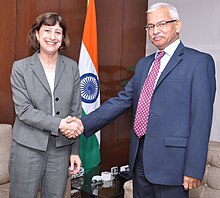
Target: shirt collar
column 169, row 50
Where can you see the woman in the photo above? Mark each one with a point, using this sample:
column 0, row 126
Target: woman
column 46, row 90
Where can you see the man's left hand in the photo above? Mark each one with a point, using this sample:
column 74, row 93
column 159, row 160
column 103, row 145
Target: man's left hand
column 190, row 183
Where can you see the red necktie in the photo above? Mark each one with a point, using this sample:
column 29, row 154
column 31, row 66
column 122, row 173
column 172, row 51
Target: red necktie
column 142, row 112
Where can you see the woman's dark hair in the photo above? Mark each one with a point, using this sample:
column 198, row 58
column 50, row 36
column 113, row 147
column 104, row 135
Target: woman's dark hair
column 49, row 19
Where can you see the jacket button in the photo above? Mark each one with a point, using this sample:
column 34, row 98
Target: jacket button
column 57, row 113
column 57, row 99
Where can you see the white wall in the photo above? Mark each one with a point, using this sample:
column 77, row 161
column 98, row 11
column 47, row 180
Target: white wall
column 201, row 30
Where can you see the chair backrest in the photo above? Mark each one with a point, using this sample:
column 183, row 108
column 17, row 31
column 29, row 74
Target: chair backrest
column 210, row 187
column 5, row 147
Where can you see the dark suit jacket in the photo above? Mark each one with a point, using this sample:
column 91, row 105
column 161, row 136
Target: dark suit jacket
column 33, row 101
column 180, row 116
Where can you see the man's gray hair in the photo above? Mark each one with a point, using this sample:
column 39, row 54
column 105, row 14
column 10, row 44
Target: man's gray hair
column 172, row 10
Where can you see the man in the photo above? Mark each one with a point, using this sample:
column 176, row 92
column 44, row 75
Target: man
column 168, row 154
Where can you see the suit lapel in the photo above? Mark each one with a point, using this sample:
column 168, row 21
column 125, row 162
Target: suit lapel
column 144, row 72
column 146, row 69
column 59, row 70
column 39, row 71
column 173, row 62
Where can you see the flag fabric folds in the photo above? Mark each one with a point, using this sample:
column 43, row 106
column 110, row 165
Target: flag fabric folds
column 90, row 87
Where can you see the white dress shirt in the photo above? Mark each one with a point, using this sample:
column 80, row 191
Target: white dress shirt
column 169, row 50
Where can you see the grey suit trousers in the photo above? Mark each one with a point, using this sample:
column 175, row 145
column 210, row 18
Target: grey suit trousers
column 31, row 169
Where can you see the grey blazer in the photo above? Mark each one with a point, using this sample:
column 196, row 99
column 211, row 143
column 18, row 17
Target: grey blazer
column 32, row 99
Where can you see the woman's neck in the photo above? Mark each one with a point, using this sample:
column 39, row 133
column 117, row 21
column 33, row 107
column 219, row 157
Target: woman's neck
column 48, row 61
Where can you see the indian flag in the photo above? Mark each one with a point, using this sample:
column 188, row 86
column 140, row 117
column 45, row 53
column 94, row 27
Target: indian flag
column 90, row 87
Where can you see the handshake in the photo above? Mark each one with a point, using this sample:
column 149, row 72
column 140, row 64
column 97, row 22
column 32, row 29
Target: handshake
column 71, row 127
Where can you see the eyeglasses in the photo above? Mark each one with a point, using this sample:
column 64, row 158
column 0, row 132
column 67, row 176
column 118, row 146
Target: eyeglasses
column 160, row 25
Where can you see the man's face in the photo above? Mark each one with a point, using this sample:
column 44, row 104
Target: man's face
column 162, row 35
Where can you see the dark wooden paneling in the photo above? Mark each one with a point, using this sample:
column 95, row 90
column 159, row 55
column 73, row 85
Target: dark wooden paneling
column 7, row 54
column 121, row 42
column 133, row 48
column 74, row 11
column 110, row 30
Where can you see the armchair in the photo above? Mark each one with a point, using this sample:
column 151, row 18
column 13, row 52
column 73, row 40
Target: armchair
column 5, row 146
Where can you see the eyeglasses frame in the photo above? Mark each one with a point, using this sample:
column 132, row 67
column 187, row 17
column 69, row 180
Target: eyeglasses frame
column 159, row 24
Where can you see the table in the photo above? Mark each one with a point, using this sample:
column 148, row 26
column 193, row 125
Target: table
column 86, row 188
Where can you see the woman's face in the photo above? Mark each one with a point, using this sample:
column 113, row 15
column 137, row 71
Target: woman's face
column 50, row 38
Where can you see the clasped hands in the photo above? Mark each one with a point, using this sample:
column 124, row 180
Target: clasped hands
column 71, row 127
